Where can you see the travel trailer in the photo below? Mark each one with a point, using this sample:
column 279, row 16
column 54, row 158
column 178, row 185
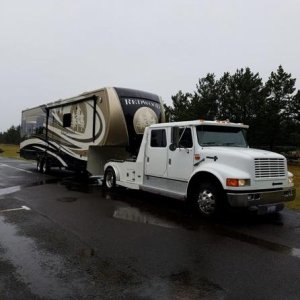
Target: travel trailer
column 207, row 163
column 81, row 133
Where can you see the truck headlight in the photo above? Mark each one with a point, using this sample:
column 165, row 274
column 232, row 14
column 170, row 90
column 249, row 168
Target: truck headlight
column 235, row 182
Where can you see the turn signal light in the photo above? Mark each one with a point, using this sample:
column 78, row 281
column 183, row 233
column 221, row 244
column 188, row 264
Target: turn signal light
column 237, row 182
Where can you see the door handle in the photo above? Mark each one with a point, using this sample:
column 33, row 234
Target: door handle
column 147, row 158
column 170, row 161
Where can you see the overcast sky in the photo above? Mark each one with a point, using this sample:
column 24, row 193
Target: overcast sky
column 54, row 49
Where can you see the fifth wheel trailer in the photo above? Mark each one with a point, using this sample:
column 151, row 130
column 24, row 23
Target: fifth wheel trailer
column 83, row 132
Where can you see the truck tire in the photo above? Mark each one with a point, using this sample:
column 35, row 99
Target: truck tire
column 109, row 181
column 207, row 199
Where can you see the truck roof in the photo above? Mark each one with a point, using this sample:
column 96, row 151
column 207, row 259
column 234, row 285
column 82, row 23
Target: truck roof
column 225, row 123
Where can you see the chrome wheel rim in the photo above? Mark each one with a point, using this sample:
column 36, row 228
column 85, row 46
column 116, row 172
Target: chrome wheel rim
column 206, row 202
column 110, row 179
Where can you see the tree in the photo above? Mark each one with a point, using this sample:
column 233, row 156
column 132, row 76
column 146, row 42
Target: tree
column 241, row 99
column 181, row 107
column 204, row 103
column 279, row 106
column 272, row 110
column 11, row 136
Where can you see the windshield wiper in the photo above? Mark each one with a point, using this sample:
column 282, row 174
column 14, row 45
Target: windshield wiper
column 210, row 144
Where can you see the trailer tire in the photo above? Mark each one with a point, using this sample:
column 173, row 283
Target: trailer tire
column 45, row 166
column 39, row 165
column 207, row 199
column 109, row 181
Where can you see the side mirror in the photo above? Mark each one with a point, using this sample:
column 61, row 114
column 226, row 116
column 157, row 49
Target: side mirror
column 173, row 147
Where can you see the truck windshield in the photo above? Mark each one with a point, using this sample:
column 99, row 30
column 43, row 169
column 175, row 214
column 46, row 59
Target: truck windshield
column 221, row 136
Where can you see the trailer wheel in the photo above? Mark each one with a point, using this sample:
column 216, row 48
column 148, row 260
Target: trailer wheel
column 45, row 166
column 109, row 181
column 207, row 199
column 39, row 165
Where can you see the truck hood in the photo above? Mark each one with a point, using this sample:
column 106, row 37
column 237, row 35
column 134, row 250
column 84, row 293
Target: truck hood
column 247, row 153
column 236, row 154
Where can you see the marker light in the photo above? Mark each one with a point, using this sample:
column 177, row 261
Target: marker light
column 197, row 156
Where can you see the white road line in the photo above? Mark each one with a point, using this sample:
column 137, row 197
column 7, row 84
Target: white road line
column 13, row 209
column 10, row 190
column 8, row 166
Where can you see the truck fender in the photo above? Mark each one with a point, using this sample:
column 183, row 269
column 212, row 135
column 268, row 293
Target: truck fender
column 202, row 176
column 115, row 168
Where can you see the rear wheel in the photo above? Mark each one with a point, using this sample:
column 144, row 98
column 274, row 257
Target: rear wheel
column 45, row 166
column 39, row 165
column 207, row 199
column 109, row 178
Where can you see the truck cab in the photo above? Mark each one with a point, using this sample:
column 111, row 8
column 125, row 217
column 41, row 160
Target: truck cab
column 208, row 163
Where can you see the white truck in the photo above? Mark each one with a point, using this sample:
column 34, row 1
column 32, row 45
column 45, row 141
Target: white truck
column 208, row 163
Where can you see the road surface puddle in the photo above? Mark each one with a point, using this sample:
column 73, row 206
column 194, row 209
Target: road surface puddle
column 133, row 214
column 38, row 269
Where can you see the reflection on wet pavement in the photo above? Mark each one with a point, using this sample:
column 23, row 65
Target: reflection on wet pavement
column 165, row 212
column 135, row 215
column 181, row 285
column 163, row 216
column 39, row 270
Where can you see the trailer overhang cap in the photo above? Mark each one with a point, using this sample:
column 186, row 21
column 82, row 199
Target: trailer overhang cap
column 60, row 103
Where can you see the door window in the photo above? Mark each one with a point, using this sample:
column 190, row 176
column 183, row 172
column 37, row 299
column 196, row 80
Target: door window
column 184, row 137
column 158, row 138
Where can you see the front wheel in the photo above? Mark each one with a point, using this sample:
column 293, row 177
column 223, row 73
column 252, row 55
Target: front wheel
column 207, row 198
column 109, row 178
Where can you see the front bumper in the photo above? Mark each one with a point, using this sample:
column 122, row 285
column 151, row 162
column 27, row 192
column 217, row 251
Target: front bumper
column 259, row 198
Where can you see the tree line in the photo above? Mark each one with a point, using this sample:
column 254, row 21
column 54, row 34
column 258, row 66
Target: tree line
column 271, row 109
column 11, row 136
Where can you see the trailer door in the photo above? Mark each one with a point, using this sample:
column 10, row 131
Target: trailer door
column 156, row 153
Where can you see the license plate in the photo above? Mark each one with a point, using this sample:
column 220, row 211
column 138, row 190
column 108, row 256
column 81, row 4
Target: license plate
column 271, row 209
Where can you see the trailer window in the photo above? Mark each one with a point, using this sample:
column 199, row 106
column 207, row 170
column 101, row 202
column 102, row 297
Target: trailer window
column 158, row 138
column 67, row 120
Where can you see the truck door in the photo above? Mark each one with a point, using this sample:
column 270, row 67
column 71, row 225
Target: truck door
column 180, row 159
column 156, row 153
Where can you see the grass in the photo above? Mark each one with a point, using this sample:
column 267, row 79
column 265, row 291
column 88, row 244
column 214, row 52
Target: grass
column 10, row 151
column 295, row 169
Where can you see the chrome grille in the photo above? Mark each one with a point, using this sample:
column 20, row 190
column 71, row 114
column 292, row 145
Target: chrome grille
column 269, row 167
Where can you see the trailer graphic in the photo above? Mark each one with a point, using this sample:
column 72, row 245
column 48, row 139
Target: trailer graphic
column 80, row 132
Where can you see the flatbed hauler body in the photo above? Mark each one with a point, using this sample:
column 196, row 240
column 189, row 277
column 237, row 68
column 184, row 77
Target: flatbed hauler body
column 81, row 133
column 208, row 163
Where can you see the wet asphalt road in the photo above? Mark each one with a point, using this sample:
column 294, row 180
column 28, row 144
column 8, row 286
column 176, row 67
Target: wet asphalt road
column 65, row 238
